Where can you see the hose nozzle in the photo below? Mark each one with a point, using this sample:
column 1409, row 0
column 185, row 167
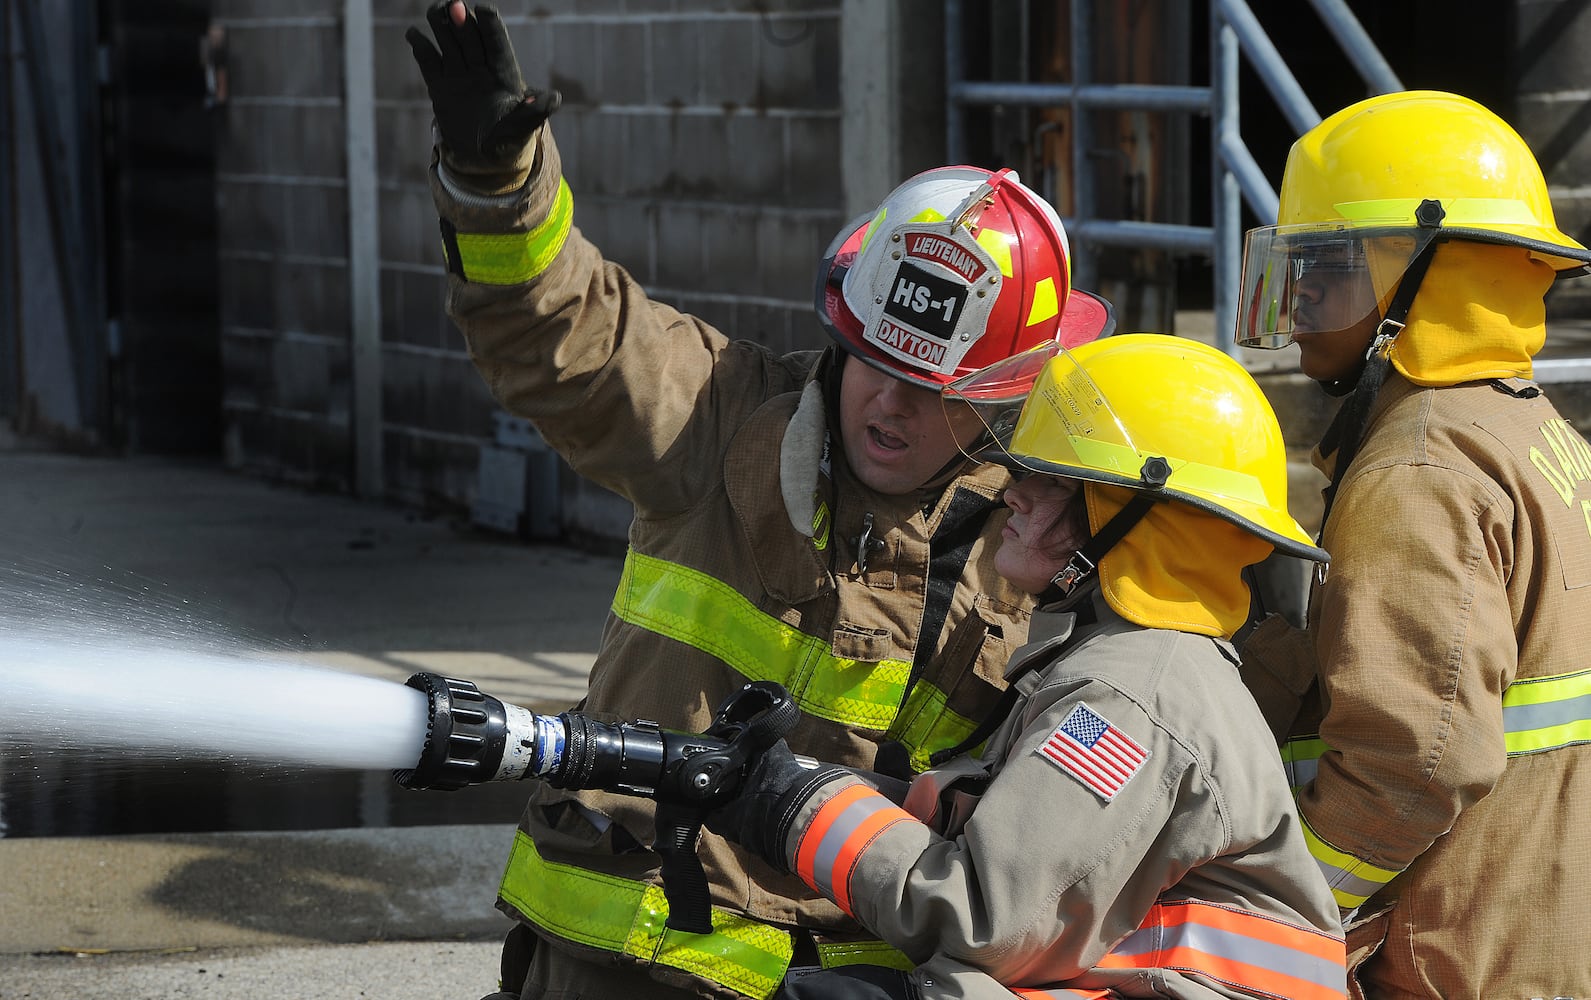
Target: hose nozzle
column 471, row 737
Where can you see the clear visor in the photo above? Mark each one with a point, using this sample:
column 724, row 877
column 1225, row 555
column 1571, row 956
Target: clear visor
column 1300, row 280
column 1043, row 413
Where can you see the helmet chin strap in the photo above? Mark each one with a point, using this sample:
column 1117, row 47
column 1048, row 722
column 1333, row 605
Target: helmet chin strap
column 1346, row 432
column 1154, row 474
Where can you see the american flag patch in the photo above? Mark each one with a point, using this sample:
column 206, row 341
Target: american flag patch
column 1093, row 751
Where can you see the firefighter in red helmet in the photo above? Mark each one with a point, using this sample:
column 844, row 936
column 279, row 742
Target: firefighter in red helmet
column 959, row 268
column 808, row 518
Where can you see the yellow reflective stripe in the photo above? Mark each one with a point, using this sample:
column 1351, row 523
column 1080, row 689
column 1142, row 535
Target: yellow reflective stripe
column 514, row 258
column 1544, row 713
column 872, row 227
column 1459, row 211
column 1352, row 880
column 1193, row 477
column 999, row 248
column 703, row 612
column 620, row 915
column 708, row 614
column 833, row 954
column 1539, row 713
column 820, row 526
column 927, row 724
column 1045, row 302
column 1305, row 748
column 1300, row 757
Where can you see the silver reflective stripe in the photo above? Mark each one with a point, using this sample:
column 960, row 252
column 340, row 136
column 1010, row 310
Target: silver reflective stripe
column 1342, row 881
column 1301, row 756
column 1352, row 879
column 1520, row 718
column 1234, row 947
column 836, row 837
column 1301, row 772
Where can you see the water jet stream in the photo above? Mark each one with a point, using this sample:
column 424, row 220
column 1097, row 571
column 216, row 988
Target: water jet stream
column 184, row 705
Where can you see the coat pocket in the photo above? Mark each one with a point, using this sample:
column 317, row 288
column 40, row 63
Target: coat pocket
column 859, row 642
column 970, row 669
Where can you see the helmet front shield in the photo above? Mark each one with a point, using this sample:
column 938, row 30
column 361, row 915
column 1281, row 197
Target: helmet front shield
column 1313, row 279
column 1043, row 413
column 922, row 316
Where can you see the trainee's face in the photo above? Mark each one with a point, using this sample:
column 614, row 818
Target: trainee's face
column 1048, row 523
column 896, row 435
column 1335, row 315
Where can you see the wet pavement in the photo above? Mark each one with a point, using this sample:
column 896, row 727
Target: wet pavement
column 181, row 880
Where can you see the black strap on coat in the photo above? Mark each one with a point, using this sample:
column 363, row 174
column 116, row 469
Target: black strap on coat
column 1008, row 698
column 1346, row 432
column 951, row 546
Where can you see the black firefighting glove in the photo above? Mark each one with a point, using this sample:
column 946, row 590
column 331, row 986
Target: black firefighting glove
column 759, row 817
column 484, row 112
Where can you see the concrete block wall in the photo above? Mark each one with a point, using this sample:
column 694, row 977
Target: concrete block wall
column 1553, row 113
column 281, row 190
column 713, row 147
column 701, row 139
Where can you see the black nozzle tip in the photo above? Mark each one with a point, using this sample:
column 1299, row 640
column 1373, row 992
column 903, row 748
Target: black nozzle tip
column 465, row 732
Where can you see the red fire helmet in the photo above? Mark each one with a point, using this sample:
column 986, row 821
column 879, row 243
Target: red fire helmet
column 959, row 268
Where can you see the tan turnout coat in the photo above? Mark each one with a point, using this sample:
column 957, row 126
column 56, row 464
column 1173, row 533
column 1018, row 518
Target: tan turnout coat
column 1461, row 573
column 1023, row 872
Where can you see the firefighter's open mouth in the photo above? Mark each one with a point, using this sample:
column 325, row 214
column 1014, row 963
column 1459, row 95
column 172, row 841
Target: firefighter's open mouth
column 886, row 440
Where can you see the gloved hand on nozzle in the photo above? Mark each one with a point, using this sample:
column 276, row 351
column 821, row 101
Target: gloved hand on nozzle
column 760, row 815
column 485, row 114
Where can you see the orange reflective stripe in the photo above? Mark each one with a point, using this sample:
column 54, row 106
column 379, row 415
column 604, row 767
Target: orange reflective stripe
column 1237, row 947
column 832, row 843
column 1253, row 925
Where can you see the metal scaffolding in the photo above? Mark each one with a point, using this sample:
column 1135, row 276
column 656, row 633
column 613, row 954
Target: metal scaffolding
column 1236, row 179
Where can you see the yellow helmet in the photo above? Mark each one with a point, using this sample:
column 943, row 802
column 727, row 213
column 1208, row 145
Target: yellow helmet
column 1372, row 185
column 1150, row 412
column 1142, row 418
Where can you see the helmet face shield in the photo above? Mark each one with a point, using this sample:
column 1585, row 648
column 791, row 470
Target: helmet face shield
column 1042, row 412
column 1385, row 157
column 1313, row 279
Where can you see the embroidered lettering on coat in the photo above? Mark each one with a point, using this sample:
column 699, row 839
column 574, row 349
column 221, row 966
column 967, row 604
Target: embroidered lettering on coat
column 1568, row 465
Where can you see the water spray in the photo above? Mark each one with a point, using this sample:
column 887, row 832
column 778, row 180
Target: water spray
column 472, row 737
column 165, row 703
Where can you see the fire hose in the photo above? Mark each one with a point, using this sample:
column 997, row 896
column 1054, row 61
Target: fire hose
column 472, row 737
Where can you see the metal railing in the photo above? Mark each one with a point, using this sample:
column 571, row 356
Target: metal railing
column 1236, row 179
